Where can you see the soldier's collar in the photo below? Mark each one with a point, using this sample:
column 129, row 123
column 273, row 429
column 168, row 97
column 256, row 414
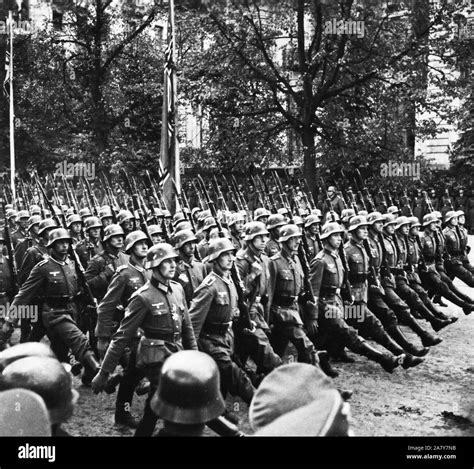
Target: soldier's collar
column 160, row 285
column 65, row 262
column 137, row 267
column 225, row 279
column 188, row 261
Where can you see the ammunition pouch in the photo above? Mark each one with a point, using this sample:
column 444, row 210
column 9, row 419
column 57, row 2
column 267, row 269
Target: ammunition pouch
column 150, row 352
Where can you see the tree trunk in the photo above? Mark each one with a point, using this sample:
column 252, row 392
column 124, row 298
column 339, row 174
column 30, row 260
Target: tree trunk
column 309, row 157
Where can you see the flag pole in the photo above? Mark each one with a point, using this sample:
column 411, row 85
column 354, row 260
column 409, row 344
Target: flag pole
column 12, row 113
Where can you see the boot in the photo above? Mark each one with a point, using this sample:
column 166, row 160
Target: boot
column 439, row 301
column 91, row 368
column 411, row 361
column 326, row 365
column 430, row 339
column 396, row 333
column 343, row 357
column 436, row 323
column 112, row 382
column 388, row 361
column 468, row 309
column 346, row 394
column 143, row 387
column 123, row 417
column 427, row 339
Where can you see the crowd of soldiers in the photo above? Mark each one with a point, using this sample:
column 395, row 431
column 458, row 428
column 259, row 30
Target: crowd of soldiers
column 133, row 286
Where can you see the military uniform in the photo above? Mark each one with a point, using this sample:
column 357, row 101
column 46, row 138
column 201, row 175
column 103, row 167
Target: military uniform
column 256, row 344
column 314, row 246
column 236, row 241
column 86, row 250
column 203, row 247
column 284, row 290
column 18, row 236
column 189, row 273
column 161, row 311
column 272, row 247
column 55, row 283
column 454, row 265
column 22, row 247
column 212, row 311
column 463, row 237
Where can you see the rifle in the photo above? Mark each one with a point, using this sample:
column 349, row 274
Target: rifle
column 244, row 317
column 242, row 200
column 232, row 194
column 199, row 195
column 220, row 195
column 346, row 291
column 136, row 204
column 92, row 199
column 280, row 191
column 261, row 200
column 10, row 250
column 271, row 204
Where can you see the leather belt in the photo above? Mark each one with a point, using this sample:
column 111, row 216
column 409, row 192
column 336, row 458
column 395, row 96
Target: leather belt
column 59, row 300
column 284, row 300
column 171, row 337
column 359, row 277
column 213, row 328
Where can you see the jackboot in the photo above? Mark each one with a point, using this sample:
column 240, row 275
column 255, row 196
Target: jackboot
column 411, row 361
column 388, row 361
column 436, row 323
column 325, row 364
column 91, row 368
column 396, row 333
column 427, row 338
column 439, row 301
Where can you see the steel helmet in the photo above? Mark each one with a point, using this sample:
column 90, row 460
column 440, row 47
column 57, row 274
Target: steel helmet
column 356, row 222
column 11, row 213
column 47, row 223
column 347, row 213
column 438, row 214
column 25, row 349
column 331, row 228
column 69, row 212
column 92, row 222
column 414, row 222
column 289, row 231
column 195, row 210
column 261, row 212
column 166, row 213
column 393, row 209
column 429, row 218
column 158, row 253
column 374, row 217
column 33, row 220
column 8, row 206
column 402, row 221
column 274, row 221
column 235, row 218
column 189, row 389
column 23, row 214
column 58, row 234
column 154, row 229
column 214, row 233
column 157, row 212
column 217, row 247
column 85, row 212
column 105, row 212
column 460, row 213
column 254, row 229
column 363, row 213
column 133, row 238
column 183, row 225
column 73, row 219
column 389, row 219
column 113, row 230
column 298, row 221
column 331, row 215
column 449, row 215
column 124, row 215
column 35, row 210
column 182, row 237
column 203, row 215
column 316, row 211
column 47, row 377
column 178, row 216
column 312, row 220
column 282, row 211
column 209, row 223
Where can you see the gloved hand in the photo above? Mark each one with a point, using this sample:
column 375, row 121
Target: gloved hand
column 99, row 382
column 102, row 346
column 109, row 271
column 311, row 327
column 376, row 289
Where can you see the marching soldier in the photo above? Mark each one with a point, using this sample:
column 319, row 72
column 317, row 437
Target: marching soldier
column 274, row 224
column 261, row 214
column 203, row 245
column 463, row 235
column 327, row 276
column 126, row 220
column 336, row 202
column 212, row 312
column 236, row 226
column 253, row 270
column 91, row 245
column 128, row 279
column 106, row 216
column 156, row 234
column 364, row 320
column 31, row 240
column 159, row 308
column 454, row 248
column 21, row 231
column 74, row 225
column 189, row 272
column 312, row 227
column 55, row 281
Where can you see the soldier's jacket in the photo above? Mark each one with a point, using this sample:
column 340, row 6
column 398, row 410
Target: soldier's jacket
column 126, row 281
column 55, row 284
column 326, row 275
column 18, row 236
column 413, row 260
column 429, row 249
column 392, row 261
column 441, row 245
column 376, row 252
column 189, row 273
column 76, row 238
column 22, row 247
column 161, row 311
column 203, row 247
column 214, row 304
column 101, row 269
column 464, row 240
column 358, row 262
column 313, row 246
column 33, row 256
column 272, row 247
column 6, row 284
column 86, row 250
column 453, row 244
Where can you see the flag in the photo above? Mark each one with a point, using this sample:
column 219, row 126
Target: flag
column 6, row 81
column 169, row 151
